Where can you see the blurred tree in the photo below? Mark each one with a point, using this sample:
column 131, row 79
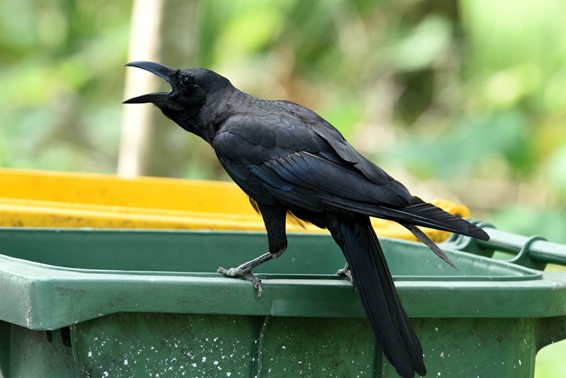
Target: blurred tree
column 158, row 33
column 60, row 87
column 465, row 96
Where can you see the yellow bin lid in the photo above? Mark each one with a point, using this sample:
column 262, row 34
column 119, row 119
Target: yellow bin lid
column 74, row 200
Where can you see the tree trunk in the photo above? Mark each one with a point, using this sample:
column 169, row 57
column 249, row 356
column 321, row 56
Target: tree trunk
column 161, row 31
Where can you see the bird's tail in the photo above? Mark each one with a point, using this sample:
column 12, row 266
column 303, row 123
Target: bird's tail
column 420, row 213
column 374, row 283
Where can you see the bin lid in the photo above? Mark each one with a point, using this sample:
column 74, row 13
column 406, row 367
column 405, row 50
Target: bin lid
column 31, row 198
column 50, row 278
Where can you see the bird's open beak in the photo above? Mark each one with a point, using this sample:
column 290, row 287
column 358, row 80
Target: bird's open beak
column 157, row 69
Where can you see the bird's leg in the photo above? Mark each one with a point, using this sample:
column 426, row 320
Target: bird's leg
column 274, row 219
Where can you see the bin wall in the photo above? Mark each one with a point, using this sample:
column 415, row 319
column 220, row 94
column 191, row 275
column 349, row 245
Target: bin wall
column 247, row 346
column 25, row 353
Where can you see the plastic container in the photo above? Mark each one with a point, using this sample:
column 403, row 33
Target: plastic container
column 111, row 303
column 59, row 199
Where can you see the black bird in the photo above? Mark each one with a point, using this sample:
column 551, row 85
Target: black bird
column 289, row 160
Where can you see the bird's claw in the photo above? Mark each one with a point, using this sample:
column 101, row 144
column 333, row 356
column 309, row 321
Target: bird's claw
column 247, row 275
column 345, row 272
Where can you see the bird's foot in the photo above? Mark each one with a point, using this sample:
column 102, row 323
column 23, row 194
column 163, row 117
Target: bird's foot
column 345, row 272
column 243, row 273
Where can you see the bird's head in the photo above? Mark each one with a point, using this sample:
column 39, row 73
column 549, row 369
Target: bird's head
column 190, row 89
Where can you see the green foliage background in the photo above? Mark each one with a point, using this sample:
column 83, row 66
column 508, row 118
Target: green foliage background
column 462, row 99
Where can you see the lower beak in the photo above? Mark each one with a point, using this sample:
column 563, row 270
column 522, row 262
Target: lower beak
column 154, row 98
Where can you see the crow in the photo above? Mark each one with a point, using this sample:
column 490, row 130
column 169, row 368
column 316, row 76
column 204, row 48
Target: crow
column 289, row 160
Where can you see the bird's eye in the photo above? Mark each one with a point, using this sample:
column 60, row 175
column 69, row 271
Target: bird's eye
column 186, row 81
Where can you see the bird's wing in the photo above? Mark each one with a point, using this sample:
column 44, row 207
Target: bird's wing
column 338, row 186
column 287, row 157
column 279, row 157
column 340, row 145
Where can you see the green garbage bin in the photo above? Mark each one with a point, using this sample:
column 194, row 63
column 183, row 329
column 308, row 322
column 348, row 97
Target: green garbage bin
column 116, row 303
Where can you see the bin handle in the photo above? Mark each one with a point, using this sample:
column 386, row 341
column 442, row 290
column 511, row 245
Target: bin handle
column 533, row 251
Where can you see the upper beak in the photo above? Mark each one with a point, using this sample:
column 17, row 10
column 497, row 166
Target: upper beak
column 157, row 69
